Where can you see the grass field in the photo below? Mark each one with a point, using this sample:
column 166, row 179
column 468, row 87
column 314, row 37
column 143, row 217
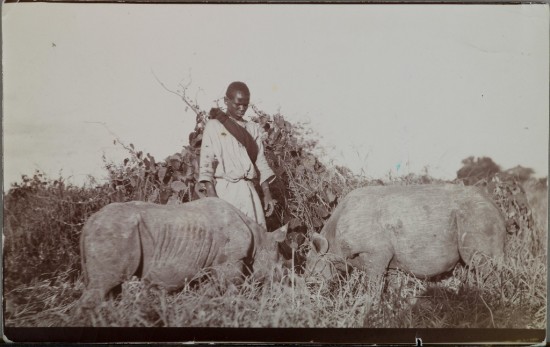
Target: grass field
column 42, row 281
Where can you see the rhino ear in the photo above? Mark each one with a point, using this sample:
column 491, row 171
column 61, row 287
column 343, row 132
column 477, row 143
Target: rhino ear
column 279, row 235
column 320, row 243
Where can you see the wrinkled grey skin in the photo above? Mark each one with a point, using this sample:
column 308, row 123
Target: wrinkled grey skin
column 422, row 229
column 169, row 245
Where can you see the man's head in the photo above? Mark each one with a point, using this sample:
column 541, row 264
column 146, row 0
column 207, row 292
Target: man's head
column 237, row 98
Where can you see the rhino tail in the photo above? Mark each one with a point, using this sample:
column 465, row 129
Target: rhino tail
column 463, row 229
column 137, row 269
column 140, row 226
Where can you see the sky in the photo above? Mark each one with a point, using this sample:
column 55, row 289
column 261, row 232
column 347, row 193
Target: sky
column 387, row 88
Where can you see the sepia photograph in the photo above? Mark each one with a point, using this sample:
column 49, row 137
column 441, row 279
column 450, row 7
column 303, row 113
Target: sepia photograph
column 272, row 166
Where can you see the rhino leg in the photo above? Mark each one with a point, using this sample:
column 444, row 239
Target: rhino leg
column 372, row 255
column 230, row 274
column 373, row 263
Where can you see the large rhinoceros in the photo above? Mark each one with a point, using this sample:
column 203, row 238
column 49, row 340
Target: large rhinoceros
column 423, row 229
column 169, row 245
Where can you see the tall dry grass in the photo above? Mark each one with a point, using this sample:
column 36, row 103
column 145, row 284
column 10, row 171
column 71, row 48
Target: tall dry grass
column 43, row 283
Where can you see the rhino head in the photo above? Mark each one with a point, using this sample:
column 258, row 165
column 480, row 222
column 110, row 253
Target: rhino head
column 267, row 257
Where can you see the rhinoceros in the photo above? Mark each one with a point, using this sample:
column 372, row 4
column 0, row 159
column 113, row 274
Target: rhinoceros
column 423, row 229
column 168, row 245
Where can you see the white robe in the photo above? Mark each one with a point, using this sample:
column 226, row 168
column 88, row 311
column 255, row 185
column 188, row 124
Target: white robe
column 234, row 170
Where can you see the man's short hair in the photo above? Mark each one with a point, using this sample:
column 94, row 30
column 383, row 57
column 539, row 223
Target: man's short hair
column 236, row 86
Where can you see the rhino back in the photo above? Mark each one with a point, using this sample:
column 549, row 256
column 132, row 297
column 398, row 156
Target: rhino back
column 180, row 241
column 421, row 224
column 414, row 222
column 244, row 235
column 176, row 246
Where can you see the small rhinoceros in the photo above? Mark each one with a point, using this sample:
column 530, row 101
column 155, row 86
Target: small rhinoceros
column 169, row 245
column 423, row 229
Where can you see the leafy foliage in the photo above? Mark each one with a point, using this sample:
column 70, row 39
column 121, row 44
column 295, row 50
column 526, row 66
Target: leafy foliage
column 141, row 177
column 42, row 223
column 510, row 197
column 505, row 188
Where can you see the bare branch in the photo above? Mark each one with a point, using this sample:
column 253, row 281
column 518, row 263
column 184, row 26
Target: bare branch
column 163, row 85
column 117, row 138
column 183, row 96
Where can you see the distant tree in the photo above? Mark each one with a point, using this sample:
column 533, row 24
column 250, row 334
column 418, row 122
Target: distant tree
column 520, row 173
column 477, row 169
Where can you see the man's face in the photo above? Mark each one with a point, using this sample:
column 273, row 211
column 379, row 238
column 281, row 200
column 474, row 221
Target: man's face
column 237, row 104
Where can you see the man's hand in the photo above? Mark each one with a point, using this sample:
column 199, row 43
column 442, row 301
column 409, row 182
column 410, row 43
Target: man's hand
column 269, row 204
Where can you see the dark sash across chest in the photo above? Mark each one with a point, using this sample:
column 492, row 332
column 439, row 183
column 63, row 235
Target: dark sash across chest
column 239, row 132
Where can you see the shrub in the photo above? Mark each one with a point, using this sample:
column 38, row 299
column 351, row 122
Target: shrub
column 42, row 223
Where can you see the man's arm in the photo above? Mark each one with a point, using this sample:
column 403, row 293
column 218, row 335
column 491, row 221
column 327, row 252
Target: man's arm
column 266, row 176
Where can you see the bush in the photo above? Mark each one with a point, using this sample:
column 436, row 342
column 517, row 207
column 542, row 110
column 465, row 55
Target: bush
column 42, row 223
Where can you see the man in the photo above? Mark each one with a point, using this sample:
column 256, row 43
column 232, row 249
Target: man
column 232, row 155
